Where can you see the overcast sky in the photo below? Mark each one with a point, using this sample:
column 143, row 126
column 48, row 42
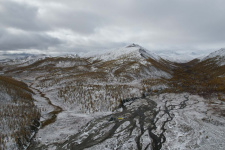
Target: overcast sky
column 81, row 26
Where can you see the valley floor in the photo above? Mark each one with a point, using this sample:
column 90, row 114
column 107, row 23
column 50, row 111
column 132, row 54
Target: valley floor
column 164, row 121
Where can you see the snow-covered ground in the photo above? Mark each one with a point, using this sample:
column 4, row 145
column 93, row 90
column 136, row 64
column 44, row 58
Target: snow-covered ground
column 68, row 123
column 166, row 121
column 199, row 125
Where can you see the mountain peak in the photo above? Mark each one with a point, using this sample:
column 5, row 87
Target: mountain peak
column 132, row 51
column 133, row 45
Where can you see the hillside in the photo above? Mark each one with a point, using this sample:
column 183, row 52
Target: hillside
column 18, row 115
column 86, row 81
column 203, row 77
column 218, row 56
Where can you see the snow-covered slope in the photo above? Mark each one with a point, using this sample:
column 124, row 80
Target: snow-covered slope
column 218, row 56
column 134, row 61
column 130, row 51
column 130, row 68
column 18, row 115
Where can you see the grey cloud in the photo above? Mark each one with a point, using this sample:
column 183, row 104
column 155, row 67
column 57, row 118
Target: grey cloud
column 173, row 22
column 91, row 47
column 79, row 21
column 9, row 41
column 164, row 24
column 21, row 16
column 188, row 22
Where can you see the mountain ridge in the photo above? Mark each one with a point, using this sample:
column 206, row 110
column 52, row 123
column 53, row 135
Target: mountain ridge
column 132, row 49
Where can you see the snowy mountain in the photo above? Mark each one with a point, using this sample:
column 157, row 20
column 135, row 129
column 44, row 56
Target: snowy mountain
column 130, row 59
column 27, row 60
column 127, row 52
column 131, row 68
column 179, row 56
column 217, row 56
column 31, row 59
column 204, row 76
column 213, row 64
column 21, row 62
column 9, row 56
column 129, row 98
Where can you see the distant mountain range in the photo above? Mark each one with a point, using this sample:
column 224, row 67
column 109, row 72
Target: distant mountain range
column 172, row 55
column 129, row 63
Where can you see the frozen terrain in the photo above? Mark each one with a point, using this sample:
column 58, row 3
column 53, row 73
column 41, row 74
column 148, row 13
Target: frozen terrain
column 165, row 121
column 199, row 124
column 129, row 98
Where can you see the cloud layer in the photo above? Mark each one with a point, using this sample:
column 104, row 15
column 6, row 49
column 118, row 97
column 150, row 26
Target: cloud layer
column 82, row 26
